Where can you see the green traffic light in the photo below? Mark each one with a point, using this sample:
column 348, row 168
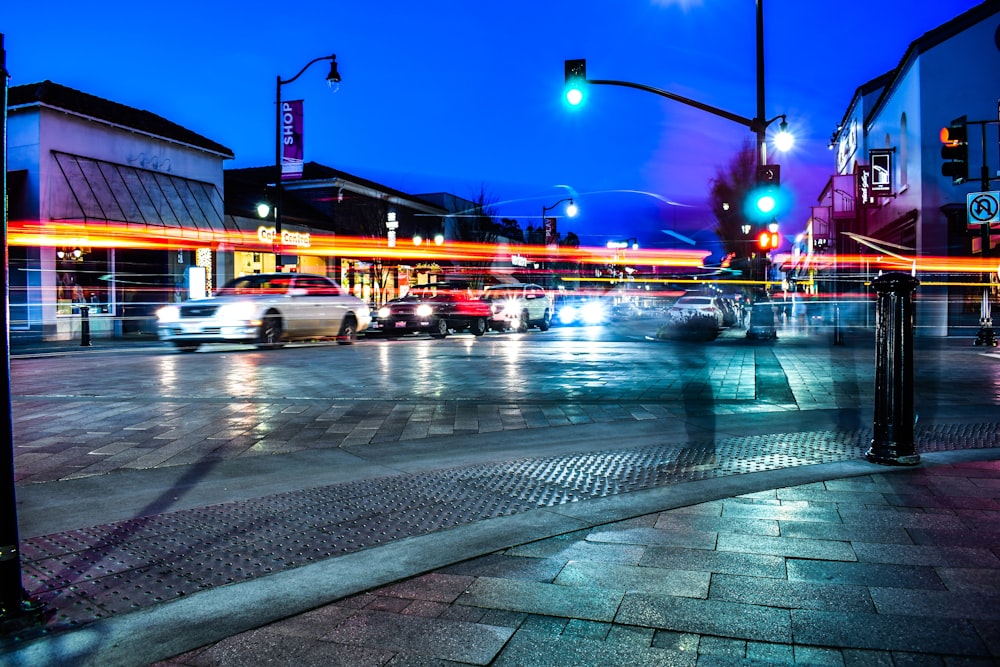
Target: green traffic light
column 766, row 203
column 574, row 96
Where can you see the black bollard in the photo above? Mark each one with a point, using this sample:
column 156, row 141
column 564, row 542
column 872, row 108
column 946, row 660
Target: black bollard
column 894, row 314
column 838, row 335
column 84, row 326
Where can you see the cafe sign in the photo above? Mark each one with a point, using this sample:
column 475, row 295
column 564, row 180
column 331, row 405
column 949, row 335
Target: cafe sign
column 270, row 235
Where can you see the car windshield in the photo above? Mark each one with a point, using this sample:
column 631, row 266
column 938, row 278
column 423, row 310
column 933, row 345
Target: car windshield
column 257, row 284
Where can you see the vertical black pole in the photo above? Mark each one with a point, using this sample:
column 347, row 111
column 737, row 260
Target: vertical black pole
column 894, row 315
column 13, row 599
column 986, row 335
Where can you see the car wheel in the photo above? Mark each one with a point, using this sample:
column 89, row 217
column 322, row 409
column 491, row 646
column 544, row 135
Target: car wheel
column 522, row 324
column 186, row 347
column 348, row 331
column 270, row 332
column 478, row 327
column 544, row 324
column 440, row 328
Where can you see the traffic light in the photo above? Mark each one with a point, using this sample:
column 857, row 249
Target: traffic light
column 768, row 240
column 955, row 140
column 576, row 79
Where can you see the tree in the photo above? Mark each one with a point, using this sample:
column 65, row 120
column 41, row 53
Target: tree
column 372, row 218
column 479, row 225
column 729, row 190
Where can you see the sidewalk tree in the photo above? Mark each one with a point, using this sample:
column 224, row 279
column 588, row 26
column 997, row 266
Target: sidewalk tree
column 728, row 191
column 372, row 223
column 479, row 225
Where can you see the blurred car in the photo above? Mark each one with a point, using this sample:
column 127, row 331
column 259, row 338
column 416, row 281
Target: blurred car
column 626, row 310
column 435, row 309
column 762, row 325
column 581, row 311
column 689, row 306
column 519, row 306
column 266, row 310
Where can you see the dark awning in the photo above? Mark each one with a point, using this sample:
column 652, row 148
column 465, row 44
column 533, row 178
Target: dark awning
column 166, row 205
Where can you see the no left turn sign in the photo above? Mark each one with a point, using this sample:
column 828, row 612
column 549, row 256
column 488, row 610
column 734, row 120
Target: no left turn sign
column 983, row 208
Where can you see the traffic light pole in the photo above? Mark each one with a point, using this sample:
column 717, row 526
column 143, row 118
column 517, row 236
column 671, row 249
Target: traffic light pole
column 986, row 335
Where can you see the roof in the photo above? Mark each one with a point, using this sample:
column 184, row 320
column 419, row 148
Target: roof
column 932, row 38
column 57, row 96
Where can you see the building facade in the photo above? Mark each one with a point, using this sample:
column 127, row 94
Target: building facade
column 887, row 205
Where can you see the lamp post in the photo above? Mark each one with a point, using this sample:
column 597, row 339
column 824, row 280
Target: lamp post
column 571, row 211
column 333, row 79
column 14, row 600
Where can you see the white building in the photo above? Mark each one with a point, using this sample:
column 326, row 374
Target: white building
column 888, row 197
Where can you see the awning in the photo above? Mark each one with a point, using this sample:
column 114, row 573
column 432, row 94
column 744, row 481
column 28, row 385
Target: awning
column 164, row 205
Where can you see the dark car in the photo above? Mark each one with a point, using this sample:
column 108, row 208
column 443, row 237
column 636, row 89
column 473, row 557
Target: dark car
column 434, row 309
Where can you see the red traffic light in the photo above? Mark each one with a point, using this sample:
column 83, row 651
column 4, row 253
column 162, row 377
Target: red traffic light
column 768, row 240
column 955, row 149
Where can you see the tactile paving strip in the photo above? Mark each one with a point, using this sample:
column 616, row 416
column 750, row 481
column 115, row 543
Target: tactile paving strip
column 87, row 574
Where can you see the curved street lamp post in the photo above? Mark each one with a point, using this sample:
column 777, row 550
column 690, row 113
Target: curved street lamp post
column 333, row 79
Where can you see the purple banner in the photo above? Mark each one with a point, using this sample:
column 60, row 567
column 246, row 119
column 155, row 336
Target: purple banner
column 291, row 140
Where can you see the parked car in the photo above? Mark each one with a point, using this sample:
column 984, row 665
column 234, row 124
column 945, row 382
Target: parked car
column 691, row 306
column 267, row 310
column 435, row 309
column 519, row 306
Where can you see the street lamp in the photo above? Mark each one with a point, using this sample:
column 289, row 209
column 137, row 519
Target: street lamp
column 333, row 80
column 571, row 210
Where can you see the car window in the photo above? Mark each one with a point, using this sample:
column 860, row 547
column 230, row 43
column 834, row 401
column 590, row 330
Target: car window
column 317, row 286
column 257, row 284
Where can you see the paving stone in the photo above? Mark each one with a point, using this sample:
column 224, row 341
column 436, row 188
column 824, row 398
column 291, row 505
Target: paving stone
column 970, row 579
column 530, row 649
column 728, row 562
column 763, row 652
column 269, row 647
column 712, row 524
column 925, row 555
column 813, row 530
column 789, row 547
column 712, row 617
column 436, row 638
column 579, row 549
column 864, row 574
column 951, row 604
column 790, row 594
column 654, row 536
column 507, row 566
column 923, row 634
column 434, row 586
column 634, row 578
column 590, row 603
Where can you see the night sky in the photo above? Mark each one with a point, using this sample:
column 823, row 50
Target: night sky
column 466, row 95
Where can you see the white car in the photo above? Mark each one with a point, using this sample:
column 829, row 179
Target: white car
column 266, row 310
column 688, row 307
column 519, row 306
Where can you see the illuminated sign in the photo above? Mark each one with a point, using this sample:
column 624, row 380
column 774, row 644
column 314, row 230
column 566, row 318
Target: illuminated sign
column 297, row 239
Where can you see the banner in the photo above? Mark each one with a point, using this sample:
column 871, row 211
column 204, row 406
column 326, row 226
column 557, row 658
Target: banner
column 551, row 237
column 291, row 140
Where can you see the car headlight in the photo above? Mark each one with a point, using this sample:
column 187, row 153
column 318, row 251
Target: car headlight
column 510, row 307
column 568, row 314
column 384, row 312
column 168, row 314
column 242, row 310
column 423, row 310
column 593, row 313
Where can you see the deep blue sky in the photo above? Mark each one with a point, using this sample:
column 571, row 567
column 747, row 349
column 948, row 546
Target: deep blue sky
column 459, row 95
